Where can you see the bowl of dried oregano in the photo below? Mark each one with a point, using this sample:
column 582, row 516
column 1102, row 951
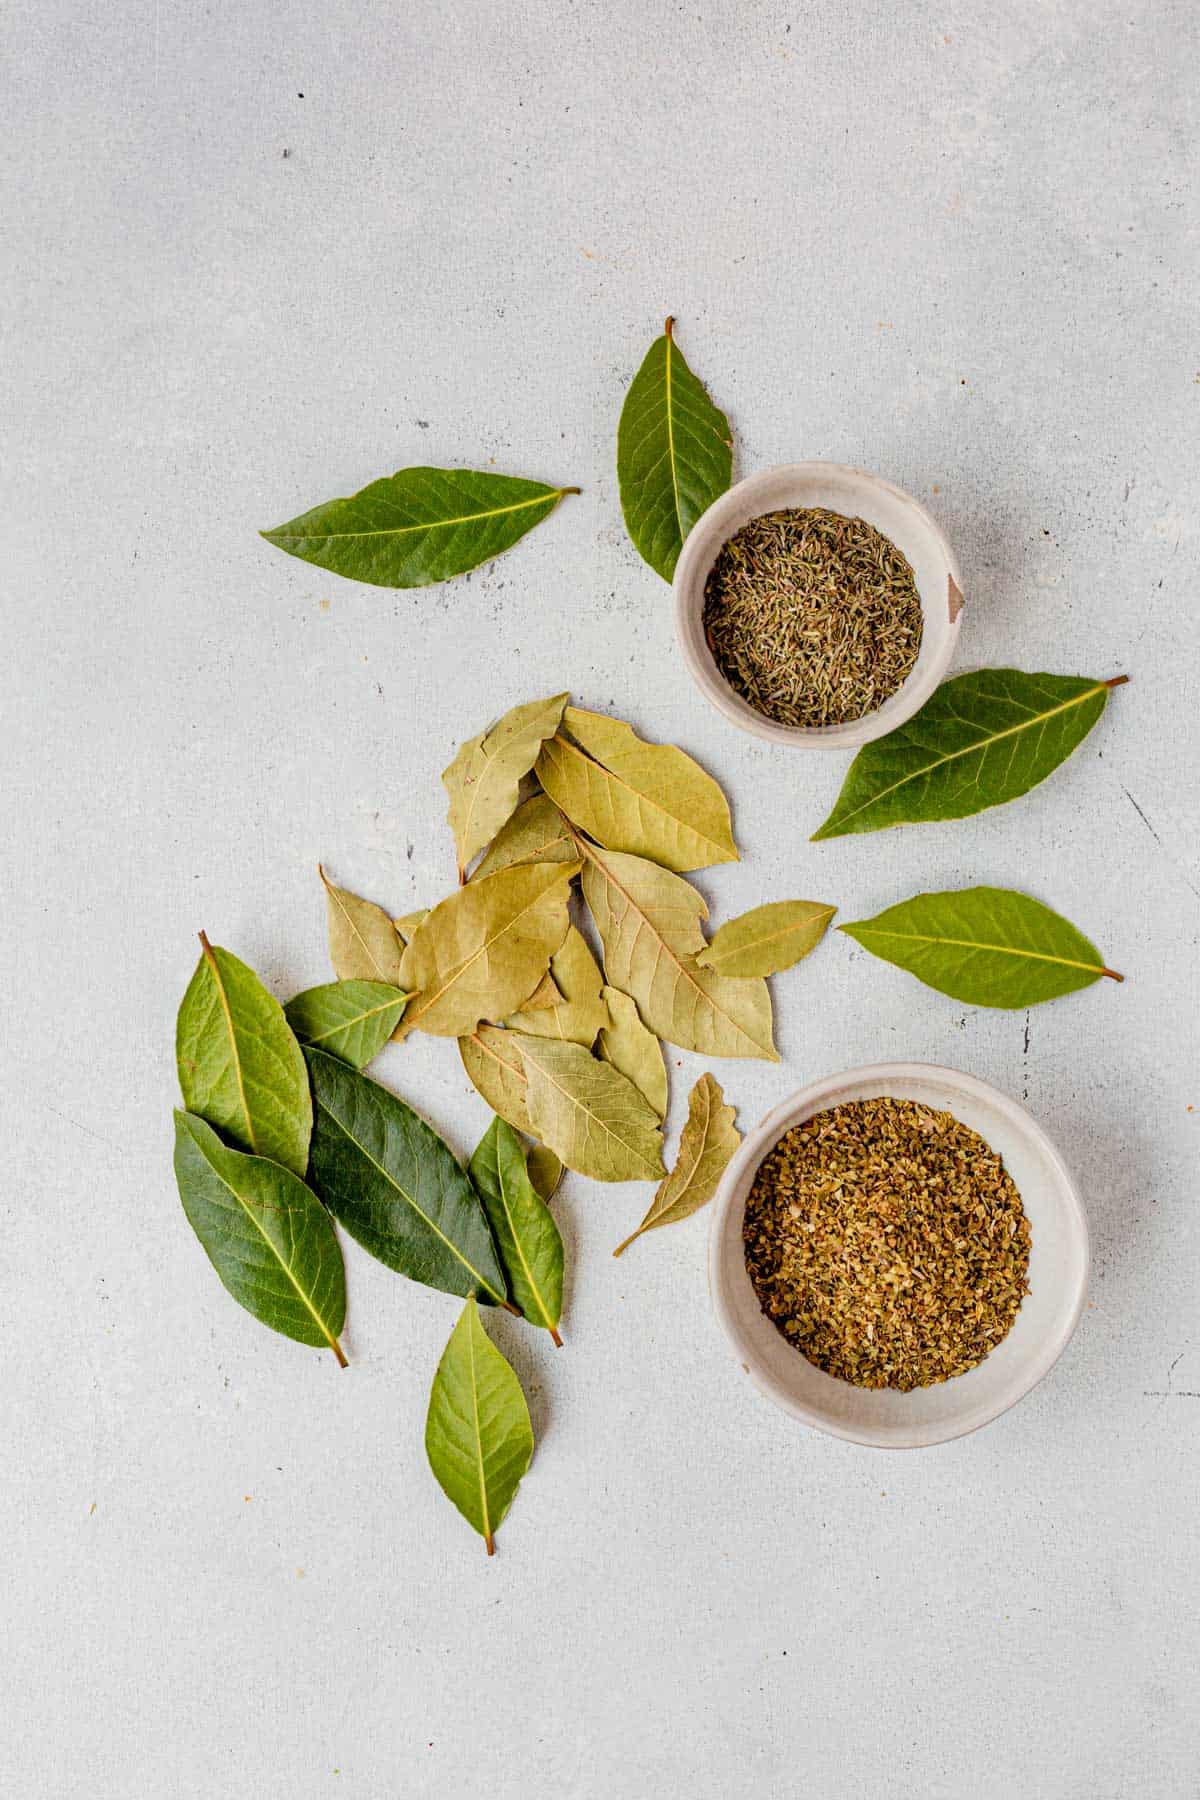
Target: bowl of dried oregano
column 817, row 605
column 898, row 1254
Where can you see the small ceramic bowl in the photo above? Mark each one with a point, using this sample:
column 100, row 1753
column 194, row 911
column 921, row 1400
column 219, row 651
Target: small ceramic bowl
column 858, row 495
column 1058, row 1270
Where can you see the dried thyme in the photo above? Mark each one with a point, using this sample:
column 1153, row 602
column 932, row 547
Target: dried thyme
column 888, row 1244
column 812, row 617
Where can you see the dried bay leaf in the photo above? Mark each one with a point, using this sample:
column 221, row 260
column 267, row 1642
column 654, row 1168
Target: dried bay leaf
column 577, row 1011
column 240, row 1067
column 526, row 1236
column 649, row 924
column 419, row 525
column 397, row 1186
column 594, row 1120
column 350, row 1019
column 651, row 800
column 266, row 1234
column 674, row 456
column 363, row 942
column 408, row 922
column 537, row 832
column 634, row 1051
column 546, row 993
column 768, row 938
column 484, row 780
column 980, row 740
column 988, row 946
column 708, row 1140
column 483, row 951
column 496, row 1068
column 478, row 1437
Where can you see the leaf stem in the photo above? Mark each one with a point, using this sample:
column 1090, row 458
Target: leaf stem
column 490, row 1541
column 1112, row 974
column 669, row 327
column 339, row 1353
column 571, row 490
column 1117, row 681
column 515, row 1310
column 554, row 1337
column 625, row 1243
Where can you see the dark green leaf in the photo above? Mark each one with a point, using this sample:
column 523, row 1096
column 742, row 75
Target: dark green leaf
column 987, row 946
column 350, row 1019
column 526, row 1236
column 240, row 1067
column 396, row 1186
column 267, row 1236
column 982, row 739
column 673, row 454
column 478, row 1437
column 419, row 525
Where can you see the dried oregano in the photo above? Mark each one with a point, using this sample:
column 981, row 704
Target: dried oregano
column 888, row 1244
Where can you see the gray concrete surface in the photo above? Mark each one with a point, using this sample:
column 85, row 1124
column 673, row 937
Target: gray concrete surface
column 257, row 255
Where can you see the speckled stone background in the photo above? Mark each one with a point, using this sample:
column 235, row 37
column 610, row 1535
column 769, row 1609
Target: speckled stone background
column 257, row 255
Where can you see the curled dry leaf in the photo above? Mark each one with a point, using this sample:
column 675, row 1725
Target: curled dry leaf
column 649, row 924
column 484, row 780
column 537, row 832
column 483, row 951
column 634, row 1051
column 478, row 1437
column 526, row 1236
column 649, row 799
column 363, row 943
column 240, row 1067
column 767, row 939
column 594, row 1120
column 576, row 1010
column 708, row 1140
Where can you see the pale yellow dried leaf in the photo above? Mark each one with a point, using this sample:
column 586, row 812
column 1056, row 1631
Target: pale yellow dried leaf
column 497, row 1071
column 484, row 780
column 708, row 1140
column 636, row 1052
column 586, row 1112
column 768, row 938
column 363, row 945
column 536, row 832
column 578, row 1012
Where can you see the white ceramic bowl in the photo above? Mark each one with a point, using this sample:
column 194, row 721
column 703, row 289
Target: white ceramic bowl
column 858, row 495
column 1058, row 1270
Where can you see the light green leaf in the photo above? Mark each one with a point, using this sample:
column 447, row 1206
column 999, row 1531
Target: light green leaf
column 535, row 833
column 478, row 1437
column 240, row 1067
column 526, row 1236
column 545, row 1171
column 649, row 924
column 363, row 942
column 649, row 799
column 396, row 1186
column 982, row 739
column 493, row 1061
column 407, row 924
column 589, row 1115
column 579, row 1011
column 707, row 1142
column 484, row 780
column 419, row 525
column 988, row 946
column 767, row 939
column 673, row 454
column 350, row 1019
column 267, row 1236
column 634, row 1051
column 482, row 952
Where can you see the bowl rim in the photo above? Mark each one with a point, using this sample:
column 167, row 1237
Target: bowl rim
column 803, row 1104
column 697, row 556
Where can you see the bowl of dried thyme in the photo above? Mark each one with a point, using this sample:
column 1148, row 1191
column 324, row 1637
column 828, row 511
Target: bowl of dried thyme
column 898, row 1254
column 817, row 605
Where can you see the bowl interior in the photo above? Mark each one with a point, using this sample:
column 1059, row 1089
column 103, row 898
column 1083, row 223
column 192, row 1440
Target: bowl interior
column 856, row 494
column 1057, row 1270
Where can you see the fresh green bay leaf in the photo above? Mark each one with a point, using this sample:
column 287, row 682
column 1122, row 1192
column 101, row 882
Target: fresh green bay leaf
column 537, row 832
column 651, row 800
column 496, row 1068
column 594, row 1120
column 266, row 1234
column 674, row 455
column 767, row 939
column 526, row 1236
column 481, row 952
column 988, row 946
column 545, row 1171
column 649, row 924
column 478, row 1436
column 484, row 780
column 350, row 1019
column 363, row 941
column 419, row 525
column 708, row 1140
column 240, row 1067
column 982, row 739
column 396, row 1185
column 634, row 1051
column 577, row 1010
